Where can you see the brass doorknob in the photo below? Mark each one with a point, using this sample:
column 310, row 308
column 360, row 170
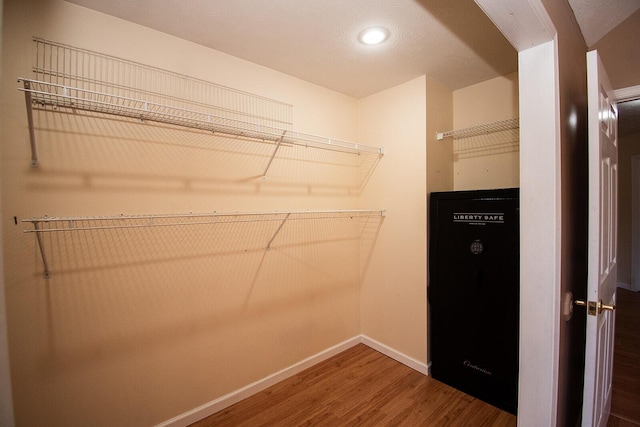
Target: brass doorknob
column 592, row 306
column 602, row 307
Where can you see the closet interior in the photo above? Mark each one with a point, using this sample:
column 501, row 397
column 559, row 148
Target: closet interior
column 71, row 80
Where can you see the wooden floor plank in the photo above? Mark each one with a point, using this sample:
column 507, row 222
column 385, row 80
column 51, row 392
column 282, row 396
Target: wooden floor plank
column 619, row 422
column 360, row 387
column 625, row 403
column 365, row 388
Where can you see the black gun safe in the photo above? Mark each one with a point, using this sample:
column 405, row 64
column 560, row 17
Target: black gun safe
column 474, row 293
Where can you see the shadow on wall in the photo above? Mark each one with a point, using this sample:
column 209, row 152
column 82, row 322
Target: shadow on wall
column 171, row 315
column 92, row 152
column 113, row 292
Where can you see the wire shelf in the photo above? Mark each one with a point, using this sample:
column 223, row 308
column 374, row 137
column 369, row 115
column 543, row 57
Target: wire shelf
column 78, row 223
column 69, row 78
column 72, row 66
column 45, row 94
column 499, row 126
column 46, row 224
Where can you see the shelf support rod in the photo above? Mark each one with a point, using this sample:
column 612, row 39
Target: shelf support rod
column 278, row 230
column 47, row 272
column 278, row 143
column 32, row 136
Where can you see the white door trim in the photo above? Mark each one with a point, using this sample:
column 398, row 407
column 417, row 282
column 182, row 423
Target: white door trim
column 540, row 235
column 635, row 223
column 528, row 27
column 628, row 94
column 6, row 400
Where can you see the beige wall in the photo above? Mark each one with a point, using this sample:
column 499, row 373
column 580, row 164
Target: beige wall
column 136, row 327
column 629, row 147
column 492, row 160
column 440, row 162
column 617, row 49
column 393, row 294
column 439, row 152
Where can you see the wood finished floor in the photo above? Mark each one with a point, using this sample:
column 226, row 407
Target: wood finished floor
column 625, row 403
column 360, row 387
column 363, row 387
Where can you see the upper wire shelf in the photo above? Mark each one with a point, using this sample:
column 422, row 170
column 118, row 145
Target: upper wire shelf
column 499, row 126
column 76, row 79
column 46, row 224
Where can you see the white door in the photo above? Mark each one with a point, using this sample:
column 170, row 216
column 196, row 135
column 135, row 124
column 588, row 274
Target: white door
column 602, row 270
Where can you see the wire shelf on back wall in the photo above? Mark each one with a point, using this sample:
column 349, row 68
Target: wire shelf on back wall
column 69, row 78
column 484, row 129
column 46, row 224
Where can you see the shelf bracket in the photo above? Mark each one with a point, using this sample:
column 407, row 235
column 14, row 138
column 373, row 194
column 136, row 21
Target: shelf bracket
column 47, row 272
column 278, row 231
column 32, row 136
column 278, row 143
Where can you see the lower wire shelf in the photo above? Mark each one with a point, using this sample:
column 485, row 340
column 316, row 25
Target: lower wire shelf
column 46, row 224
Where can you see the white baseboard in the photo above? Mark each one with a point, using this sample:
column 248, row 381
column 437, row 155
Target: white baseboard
column 227, row 400
column 396, row 355
column 625, row 286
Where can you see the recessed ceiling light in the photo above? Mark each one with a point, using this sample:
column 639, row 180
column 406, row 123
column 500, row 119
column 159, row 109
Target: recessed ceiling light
column 374, row 35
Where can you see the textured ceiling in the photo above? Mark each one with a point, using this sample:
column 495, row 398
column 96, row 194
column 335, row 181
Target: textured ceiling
column 451, row 41
column 597, row 17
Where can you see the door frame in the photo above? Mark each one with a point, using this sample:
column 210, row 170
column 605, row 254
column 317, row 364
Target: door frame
column 629, row 94
column 635, row 223
column 6, row 399
column 540, row 231
column 528, row 26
